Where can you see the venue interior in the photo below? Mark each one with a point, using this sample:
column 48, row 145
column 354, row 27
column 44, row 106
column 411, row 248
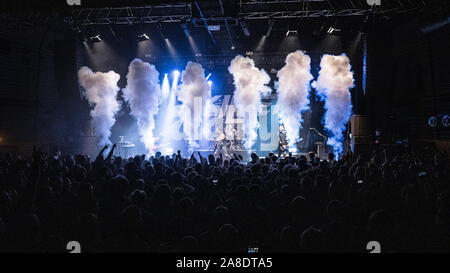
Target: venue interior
column 233, row 126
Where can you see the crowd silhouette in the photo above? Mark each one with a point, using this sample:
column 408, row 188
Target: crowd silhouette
column 396, row 196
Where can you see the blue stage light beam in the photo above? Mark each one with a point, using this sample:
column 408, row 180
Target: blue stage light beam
column 168, row 118
column 176, row 78
column 165, row 87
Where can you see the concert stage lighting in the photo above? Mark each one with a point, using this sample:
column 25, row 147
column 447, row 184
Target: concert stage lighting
column 163, row 32
column 171, row 48
column 165, row 89
column 332, row 30
column 176, row 77
column 244, row 28
column 186, row 30
column 291, row 33
column 168, row 151
column 143, row 37
column 96, row 38
column 210, row 83
column 269, row 28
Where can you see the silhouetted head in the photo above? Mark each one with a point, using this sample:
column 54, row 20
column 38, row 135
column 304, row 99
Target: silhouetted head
column 312, row 241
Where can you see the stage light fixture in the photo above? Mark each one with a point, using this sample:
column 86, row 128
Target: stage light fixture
column 210, row 83
column 332, row 30
column 291, row 33
column 214, row 27
column 233, row 47
column 96, row 38
column 143, row 37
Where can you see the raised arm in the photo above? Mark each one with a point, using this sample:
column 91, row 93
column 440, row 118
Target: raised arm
column 100, row 154
column 111, row 152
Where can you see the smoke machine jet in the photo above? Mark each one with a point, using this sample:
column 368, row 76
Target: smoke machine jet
column 333, row 85
column 101, row 91
column 293, row 91
column 250, row 84
column 195, row 94
column 142, row 93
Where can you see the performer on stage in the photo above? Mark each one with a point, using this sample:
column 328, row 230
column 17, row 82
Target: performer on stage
column 283, row 142
column 222, row 146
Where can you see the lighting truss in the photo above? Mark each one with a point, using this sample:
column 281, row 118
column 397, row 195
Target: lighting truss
column 131, row 15
column 248, row 10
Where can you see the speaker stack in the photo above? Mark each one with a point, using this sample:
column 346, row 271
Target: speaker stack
column 361, row 141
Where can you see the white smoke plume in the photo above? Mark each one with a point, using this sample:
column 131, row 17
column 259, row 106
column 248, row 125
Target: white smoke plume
column 334, row 84
column 101, row 92
column 195, row 94
column 250, row 84
column 293, row 90
column 142, row 93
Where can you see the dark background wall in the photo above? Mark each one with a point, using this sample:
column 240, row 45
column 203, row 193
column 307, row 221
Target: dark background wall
column 38, row 94
column 408, row 80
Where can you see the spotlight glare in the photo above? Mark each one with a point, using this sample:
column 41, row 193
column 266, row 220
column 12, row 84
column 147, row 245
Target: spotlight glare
column 143, row 37
column 209, row 76
column 168, row 151
column 96, row 38
column 210, row 83
column 176, row 78
column 165, row 87
column 332, row 30
column 291, row 33
column 261, row 43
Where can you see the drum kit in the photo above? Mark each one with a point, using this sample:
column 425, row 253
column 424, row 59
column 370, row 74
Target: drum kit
column 225, row 146
column 124, row 147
